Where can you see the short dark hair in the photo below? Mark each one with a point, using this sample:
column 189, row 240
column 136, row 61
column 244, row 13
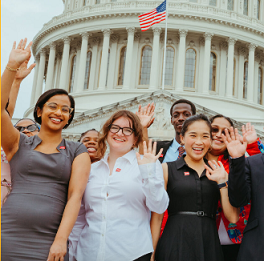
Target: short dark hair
column 193, row 108
column 194, row 118
column 87, row 132
column 27, row 119
column 46, row 96
column 221, row 116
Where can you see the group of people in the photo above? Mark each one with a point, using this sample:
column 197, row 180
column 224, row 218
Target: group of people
column 195, row 197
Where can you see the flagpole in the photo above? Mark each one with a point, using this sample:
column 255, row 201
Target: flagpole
column 165, row 46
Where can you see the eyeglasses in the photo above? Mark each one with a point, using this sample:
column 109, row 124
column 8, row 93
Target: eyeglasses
column 127, row 131
column 30, row 128
column 216, row 130
column 54, row 107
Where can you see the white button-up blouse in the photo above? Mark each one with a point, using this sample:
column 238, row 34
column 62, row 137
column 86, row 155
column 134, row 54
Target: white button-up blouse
column 113, row 223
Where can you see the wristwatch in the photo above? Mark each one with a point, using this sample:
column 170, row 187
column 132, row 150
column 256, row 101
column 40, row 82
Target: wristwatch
column 223, row 185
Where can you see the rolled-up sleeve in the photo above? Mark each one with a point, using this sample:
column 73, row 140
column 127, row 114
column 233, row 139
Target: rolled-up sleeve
column 157, row 199
column 76, row 232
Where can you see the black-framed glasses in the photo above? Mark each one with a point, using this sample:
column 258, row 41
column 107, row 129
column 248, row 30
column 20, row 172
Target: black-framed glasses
column 127, row 131
column 30, row 128
column 54, row 107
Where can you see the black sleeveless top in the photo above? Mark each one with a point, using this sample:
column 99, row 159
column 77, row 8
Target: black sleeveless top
column 190, row 237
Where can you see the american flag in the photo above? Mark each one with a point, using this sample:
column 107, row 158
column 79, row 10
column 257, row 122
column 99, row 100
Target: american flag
column 153, row 17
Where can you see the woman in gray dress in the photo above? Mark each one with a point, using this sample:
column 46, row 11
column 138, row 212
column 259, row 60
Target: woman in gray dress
column 48, row 173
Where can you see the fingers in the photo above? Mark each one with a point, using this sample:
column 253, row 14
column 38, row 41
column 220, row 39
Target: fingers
column 29, row 47
column 208, row 169
column 243, row 130
column 144, row 147
column 19, row 44
column 138, row 156
column 158, row 155
column 227, row 135
column 14, row 45
column 150, row 146
column 23, row 45
column 232, row 133
column 213, row 164
column 154, row 148
column 31, row 66
column 236, row 134
column 150, row 122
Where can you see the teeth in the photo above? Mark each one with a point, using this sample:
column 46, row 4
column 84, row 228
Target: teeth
column 197, row 149
column 118, row 139
column 91, row 149
column 54, row 119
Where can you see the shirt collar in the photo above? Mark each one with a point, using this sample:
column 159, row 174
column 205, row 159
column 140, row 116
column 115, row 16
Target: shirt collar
column 130, row 157
column 175, row 145
column 181, row 162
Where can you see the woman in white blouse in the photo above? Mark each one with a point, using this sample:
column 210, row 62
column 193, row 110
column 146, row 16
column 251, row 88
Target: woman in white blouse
column 113, row 223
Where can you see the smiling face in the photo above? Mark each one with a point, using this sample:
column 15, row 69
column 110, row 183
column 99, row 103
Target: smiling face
column 118, row 142
column 90, row 140
column 55, row 119
column 218, row 127
column 180, row 113
column 25, row 123
column 197, row 140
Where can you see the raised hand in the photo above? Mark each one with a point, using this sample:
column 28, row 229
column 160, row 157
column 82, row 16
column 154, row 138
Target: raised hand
column 19, row 54
column 216, row 172
column 236, row 148
column 24, row 70
column 146, row 114
column 149, row 155
column 249, row 133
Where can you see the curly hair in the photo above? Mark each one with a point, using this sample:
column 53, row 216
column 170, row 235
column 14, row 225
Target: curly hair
column 133, row 119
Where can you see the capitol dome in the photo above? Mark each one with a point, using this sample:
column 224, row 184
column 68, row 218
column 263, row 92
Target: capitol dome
column 95, row 50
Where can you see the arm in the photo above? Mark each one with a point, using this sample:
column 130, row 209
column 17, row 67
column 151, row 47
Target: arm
column 239, row 189
column 218, row 174
column 20, row 76
column 156, row 219
column 10, row 136
column 79, row 178
column 146, row 119
column 157, row 199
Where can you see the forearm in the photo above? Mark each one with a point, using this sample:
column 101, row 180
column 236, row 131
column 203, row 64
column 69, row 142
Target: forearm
column 7, row 80
column 238, row 188
column 69, row 217
column 155, row 225
column 13, row 97
column 230, row 212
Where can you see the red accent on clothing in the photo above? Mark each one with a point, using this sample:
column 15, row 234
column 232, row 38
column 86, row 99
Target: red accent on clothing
column 118, row 170
column 161, row 155
column 186, row 173
column 62, row 147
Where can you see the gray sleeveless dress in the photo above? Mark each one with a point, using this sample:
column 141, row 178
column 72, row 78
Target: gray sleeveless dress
column 32, row 212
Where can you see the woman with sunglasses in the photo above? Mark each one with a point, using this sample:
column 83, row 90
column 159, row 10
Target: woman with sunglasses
column 230, row 234
column 27, row 126
column 123, row 188
column 48, row 173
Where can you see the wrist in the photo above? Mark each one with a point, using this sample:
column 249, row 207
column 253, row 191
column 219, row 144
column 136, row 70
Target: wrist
column 223, row 185
column 13, row 65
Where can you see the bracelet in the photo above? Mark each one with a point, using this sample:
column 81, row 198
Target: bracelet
column 12, row 69
column 223, row 185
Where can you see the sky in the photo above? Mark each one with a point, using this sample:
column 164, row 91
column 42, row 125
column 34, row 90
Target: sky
column 20, row 19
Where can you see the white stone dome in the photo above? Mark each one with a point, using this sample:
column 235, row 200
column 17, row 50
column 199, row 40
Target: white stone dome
column 215, row 54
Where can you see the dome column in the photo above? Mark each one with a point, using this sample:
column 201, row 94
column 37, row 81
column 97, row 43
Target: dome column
column 40, row 74
column 112, row 61
column 222, row 82
column 82, row 63
column 251, row 66
column 181, row 61
column 64, row 64
column 51, row 65
column 78, row 57
column 129, row 58
column 153, row 84
column 241, row 61
column 94, row 63
column 103, row 68
column 230, row 68
column 33, row 92
column 206, row 69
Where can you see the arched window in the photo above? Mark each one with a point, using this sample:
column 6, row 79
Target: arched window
column 169, row 66
column 190, row 62
column 260, row 85
column 230, row 5
column 245, row 9
column 212, row 2
column 258, row 9
column 72, row 75
column 87, row 70
column 145, row 65
column 245, row 80
column 107, row 68
column 212, row 79
column 122, row 62
column 234, row 77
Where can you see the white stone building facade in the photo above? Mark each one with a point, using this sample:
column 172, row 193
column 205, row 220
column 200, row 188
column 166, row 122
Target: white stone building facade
column 96, row 51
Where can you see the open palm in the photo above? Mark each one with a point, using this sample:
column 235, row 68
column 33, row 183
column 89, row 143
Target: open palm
column 146, row 114
column 249, row 133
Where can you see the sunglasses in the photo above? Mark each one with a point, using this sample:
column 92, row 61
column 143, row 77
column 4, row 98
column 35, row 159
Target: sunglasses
column 216, row 130
column 30, row 128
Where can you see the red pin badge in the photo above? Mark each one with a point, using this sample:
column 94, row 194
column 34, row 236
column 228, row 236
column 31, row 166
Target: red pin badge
column 186, row 173
column 62, row 147
column 118, row 170
column 161, row 155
